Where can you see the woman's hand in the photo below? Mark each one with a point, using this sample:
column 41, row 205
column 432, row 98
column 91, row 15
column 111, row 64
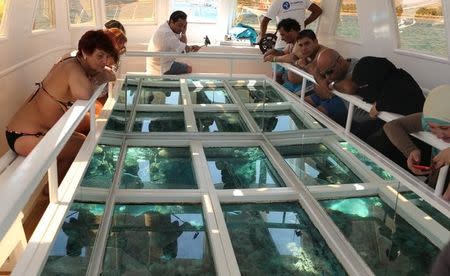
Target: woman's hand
column 373, row 111
column 442, row 158
column 414, row 159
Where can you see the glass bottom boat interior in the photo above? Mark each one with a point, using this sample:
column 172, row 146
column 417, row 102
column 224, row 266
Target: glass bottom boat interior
column 232, row 175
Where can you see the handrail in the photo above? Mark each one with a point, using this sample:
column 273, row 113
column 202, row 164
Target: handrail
column 212, row 55
column 20, row 180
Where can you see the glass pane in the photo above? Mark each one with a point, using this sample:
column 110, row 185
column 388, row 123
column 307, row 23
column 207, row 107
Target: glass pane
column 127, row 97
column 386, row 242
column 369, row 163
column 421, row 26
column 160, row 95
column 203, row 11
column 210, row 95
column 258, row 94
column 74, row 242
column 220, row 122
column 130, row 11
column 428, row 209
column 80, row 12
column 44, row 16
column 347, row 25
column 274, row 121
column 315, row 164
column 2, row 11
column 251, row 12
column 159, row 122
column 241, row 168
column 118, row 120
column 158, row 240
column 101, row 169
column 158, row 168
column 278, row 239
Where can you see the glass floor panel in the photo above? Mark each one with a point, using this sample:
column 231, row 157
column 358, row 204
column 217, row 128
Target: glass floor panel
column 369, row 163
column 275, row 121
column 118, row 120
column 158, row 168
column 210, row 95
column 158, row 240
column 131, row 93
column 315, row 164
column 428, row 209
column 368, row 224
column 160, row 95
column 258, row 94
column 159, row 122
column 101, row 169
column 278, row 239
column 74, row 242
column 220, row 122
column 241, row 168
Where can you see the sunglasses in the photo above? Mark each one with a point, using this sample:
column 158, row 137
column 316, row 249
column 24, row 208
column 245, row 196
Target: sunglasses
column 331, row 69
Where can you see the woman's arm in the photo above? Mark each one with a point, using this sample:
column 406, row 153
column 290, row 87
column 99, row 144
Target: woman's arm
column 83, row 87
column 398, row 132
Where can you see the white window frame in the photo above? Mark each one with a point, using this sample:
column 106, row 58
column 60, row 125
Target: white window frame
column 154, row 21
column 42, row 31
column 91, row 23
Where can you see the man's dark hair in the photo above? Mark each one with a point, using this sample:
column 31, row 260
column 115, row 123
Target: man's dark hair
column 98, row 39
column 115, row 24
column 288, row 25
column 307, row 33
column 176, row 15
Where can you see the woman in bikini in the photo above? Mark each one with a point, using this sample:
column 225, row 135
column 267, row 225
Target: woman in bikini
column 71, row 79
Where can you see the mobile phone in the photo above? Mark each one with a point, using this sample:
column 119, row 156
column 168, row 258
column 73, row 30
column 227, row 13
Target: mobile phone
column 422, row 168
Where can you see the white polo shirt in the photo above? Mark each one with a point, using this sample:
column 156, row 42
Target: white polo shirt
column 164, row 40
column 282, row 9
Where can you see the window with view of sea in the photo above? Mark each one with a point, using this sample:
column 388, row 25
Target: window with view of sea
column 44, row 15
column 2, row 10
column 198, row 11
column 130, row 11
column 347, row 25
column 421, row 26
column 81, row 12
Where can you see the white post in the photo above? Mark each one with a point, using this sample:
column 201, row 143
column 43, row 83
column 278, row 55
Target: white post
column 303, row 91
column 92, row 117
column 441, row 181
column 53, row 182
column 348, row 124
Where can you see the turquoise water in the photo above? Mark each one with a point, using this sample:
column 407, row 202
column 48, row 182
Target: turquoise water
column 220, row 122
column 369, row 163
column 315, row 164
column 275, row 121
column 101, row 169
column 278, row 239
column 241, row 168
column 74, row 242
column 428, row 209
column 367, row 224
column 427, row 36
column 159, row 122
column 158, row 239
column 160, row 95
column 258, row 94
column 158, row 168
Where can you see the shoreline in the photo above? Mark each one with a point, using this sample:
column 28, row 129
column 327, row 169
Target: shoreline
column 428, row 17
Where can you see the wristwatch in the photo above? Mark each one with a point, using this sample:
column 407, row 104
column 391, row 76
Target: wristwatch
column 331, row 85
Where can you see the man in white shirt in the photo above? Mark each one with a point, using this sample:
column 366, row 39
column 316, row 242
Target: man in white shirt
column 170, row 37
column 282, row 9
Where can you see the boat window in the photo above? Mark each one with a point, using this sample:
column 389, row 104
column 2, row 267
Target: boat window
column 130, row 11
column 2, row 12
column 44, row 15
column 198, row 11
column 251, row 12
column 81, row 12
column 421, row 26
column 347, row 25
